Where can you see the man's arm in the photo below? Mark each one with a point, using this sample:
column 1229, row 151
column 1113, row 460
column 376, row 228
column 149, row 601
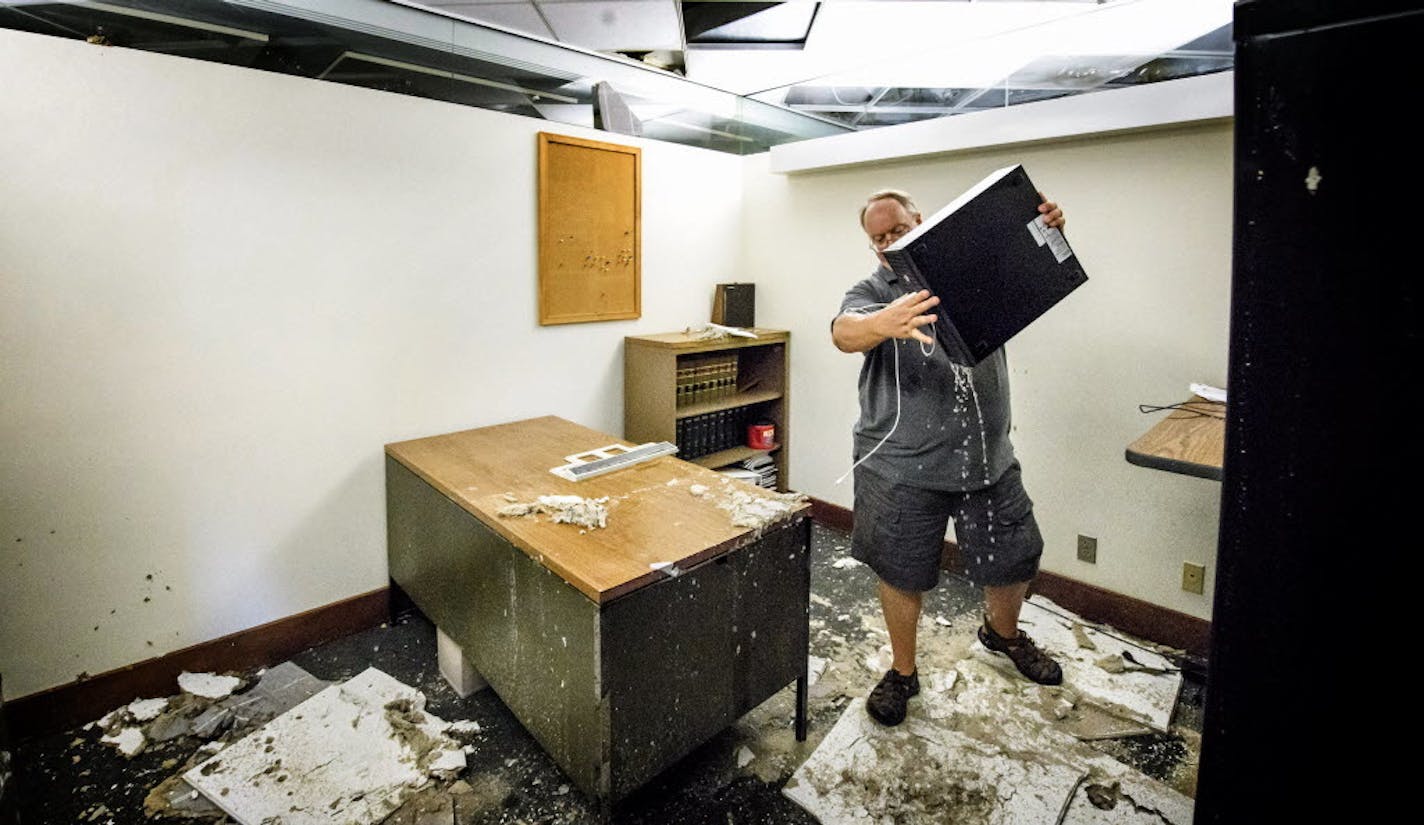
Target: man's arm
column 901, row 318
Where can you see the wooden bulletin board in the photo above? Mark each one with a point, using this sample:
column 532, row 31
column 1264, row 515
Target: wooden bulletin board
column 590, row 230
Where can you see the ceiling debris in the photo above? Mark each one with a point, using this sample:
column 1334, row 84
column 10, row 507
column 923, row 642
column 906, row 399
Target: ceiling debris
column 757, row 511
column 352, row 753
column 129, row 741
column 1144, row 691
column 584, row 512
column 132, row 728
column 981, row 743
column 976, row 750
column 208, row 685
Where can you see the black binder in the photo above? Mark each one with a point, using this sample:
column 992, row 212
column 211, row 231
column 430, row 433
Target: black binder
column 994, row 267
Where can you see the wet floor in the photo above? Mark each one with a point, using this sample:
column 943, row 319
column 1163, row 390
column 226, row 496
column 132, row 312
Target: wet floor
column 734, row 778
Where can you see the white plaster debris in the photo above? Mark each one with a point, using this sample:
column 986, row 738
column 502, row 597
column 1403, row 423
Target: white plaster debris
column 757, row 511
column 698, row 490
column 943, row 682
column 351, row 755
column 129, row 741
column 670, row 568
column 464, row 726
column 942, row 621
column 845, row 563
column 880, row 661
column 145, row 710
column 864, row 774
column 815, row 666
column 207, row 685
column 1145, row 694
column 745, row 756
column 977, row 751
column 448, row 764
column 584, row 512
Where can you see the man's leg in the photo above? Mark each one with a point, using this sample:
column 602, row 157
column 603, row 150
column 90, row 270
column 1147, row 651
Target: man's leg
column 887, row 702
column 1002, row 605
column 899, row 532
column 1001, row 634
column 902, row 619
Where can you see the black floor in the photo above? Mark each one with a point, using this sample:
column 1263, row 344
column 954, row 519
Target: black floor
column 73, row 778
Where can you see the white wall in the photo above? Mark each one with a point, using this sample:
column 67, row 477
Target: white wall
column 1149, row 215
column 222, row 291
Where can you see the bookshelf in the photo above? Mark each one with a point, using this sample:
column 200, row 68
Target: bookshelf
column 702, row 394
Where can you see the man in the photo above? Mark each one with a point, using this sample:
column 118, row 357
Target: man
column 932, row 443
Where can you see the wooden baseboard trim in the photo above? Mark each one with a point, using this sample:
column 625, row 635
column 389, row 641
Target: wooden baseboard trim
column 1139, row 618
column 63, row 707
column 830, row 515
column 66, row 706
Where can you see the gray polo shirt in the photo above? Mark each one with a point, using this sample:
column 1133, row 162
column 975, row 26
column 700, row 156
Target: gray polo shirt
column 954, row 420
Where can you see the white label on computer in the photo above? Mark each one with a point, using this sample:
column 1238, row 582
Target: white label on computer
column 1058, row 244
column 1035, row 228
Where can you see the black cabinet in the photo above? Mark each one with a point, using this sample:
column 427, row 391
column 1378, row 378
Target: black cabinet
column 1321, row 452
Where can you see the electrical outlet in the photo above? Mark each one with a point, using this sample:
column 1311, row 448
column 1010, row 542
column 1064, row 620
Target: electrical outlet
column 1193, row 577
column 1087, row 549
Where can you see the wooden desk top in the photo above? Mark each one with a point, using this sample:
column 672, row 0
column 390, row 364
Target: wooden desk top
column 1185, row 442
column 690, row 343
column 652, row 515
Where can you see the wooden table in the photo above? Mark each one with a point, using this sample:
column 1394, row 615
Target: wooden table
column 616, row 668
column 1189, row 441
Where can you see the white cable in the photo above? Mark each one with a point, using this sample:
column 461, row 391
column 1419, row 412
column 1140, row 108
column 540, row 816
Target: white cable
column 866, row 310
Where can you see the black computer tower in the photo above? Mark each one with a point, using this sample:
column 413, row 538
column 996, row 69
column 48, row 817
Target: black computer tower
column 993, row 265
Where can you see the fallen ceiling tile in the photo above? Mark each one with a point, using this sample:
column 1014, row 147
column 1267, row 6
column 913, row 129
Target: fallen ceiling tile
column 1137, row 695
column 349, row 755
column 974, row 748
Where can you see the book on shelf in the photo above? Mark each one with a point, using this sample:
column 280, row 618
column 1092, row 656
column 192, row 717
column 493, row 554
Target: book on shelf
column 706, row 378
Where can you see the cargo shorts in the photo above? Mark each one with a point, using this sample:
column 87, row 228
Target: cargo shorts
column 899, row 531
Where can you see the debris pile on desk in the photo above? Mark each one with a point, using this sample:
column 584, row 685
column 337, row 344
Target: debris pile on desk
column 757, row 511
column 584, row 512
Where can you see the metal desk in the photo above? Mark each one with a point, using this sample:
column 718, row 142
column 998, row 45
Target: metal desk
column 617, row 669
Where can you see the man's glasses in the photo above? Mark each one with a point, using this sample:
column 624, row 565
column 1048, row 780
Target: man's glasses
column 881, row 241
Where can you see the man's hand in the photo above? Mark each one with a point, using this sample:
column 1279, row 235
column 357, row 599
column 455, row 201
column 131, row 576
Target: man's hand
column 901, row 318
column 1052, row 213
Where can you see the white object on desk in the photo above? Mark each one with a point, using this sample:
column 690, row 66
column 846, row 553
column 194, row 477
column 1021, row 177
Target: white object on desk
column 737, row 331
column 1209, row 392
column 607, row 459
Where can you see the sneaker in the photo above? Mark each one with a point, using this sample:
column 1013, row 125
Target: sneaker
column 886, row 704
column 1031, row 662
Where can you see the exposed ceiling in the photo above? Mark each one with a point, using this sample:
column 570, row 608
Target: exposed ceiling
column 734, row 77
column 869, row 63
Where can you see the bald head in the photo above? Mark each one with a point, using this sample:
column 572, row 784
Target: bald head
column 902, row 198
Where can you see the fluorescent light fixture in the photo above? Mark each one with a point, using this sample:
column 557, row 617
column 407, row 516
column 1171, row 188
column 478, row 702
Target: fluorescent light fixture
column 702, row 129
column 174, row 20
column 463, row 78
